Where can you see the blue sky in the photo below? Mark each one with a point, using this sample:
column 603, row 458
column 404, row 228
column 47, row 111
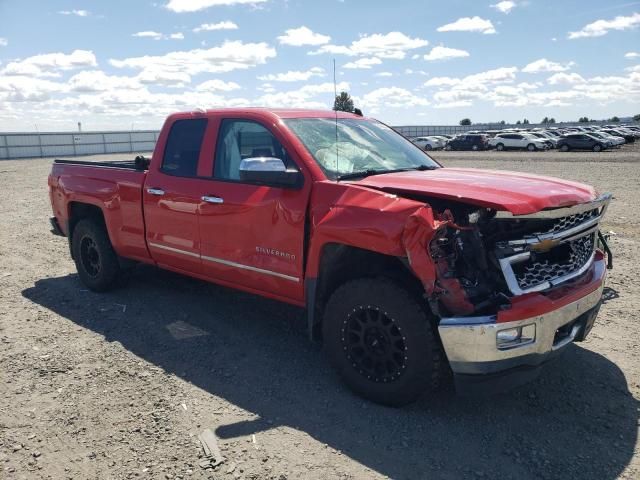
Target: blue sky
column 121, row 63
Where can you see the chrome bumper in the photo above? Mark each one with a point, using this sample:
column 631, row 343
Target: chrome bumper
column 471, row 346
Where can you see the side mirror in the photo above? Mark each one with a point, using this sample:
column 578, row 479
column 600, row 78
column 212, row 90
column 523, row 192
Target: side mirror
column 269, row 171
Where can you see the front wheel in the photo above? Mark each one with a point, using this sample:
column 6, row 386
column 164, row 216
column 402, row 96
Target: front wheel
column 597, row 147
column 531, row 147
column 448, row 148
column 380, row 341
column 428, row 147
column 500, row 147
column 474, row 148
column 96, row 261
column 564, row 148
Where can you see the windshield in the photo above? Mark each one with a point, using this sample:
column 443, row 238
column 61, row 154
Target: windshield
column 362, row 145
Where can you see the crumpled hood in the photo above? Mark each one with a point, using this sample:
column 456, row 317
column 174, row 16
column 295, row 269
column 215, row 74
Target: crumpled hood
column 518, row 193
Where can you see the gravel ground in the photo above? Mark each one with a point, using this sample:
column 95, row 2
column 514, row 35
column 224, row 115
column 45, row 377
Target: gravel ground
column 119, row 385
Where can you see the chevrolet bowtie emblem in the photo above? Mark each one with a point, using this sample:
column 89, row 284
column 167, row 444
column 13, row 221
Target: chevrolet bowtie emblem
column 544, row 245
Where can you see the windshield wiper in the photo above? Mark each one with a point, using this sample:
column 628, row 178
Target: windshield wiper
column 372, row 171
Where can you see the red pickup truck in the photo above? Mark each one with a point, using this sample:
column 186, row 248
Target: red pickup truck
column 408, row 271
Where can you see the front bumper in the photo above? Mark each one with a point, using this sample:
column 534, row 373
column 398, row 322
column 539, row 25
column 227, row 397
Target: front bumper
column 560, row 317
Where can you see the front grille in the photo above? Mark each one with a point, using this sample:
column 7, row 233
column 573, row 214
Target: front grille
column 559, row 262
column 565, row 223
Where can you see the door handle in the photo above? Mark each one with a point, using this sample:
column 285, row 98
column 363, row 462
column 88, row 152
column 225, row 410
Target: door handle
column 155, row 191
column 212, row 199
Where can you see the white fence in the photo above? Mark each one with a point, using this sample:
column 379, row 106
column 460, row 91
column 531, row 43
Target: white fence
column 65, row 144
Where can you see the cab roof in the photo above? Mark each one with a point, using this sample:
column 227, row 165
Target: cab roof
column 280, row 112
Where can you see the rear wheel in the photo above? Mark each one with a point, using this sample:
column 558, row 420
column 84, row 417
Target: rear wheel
column 597, row 147
column 500, row 147
column 474, row 148
column 564, row 148
column 95, row 259
column 380, row 341
column 448, row 147
column 531, row 147
column 428, row 147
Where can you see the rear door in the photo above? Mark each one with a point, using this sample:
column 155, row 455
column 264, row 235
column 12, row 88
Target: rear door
column 172, row 195
column 253, row 235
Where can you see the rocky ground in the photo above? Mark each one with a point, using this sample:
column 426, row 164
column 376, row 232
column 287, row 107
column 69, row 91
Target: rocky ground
column 121, row 385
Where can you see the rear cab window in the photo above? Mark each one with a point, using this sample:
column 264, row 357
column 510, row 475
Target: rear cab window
column 182, row 150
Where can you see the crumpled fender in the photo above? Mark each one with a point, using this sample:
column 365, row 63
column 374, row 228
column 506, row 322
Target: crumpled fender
column 420, row 229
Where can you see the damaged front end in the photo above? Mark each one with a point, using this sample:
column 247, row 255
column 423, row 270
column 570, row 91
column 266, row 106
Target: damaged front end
column 474, row 261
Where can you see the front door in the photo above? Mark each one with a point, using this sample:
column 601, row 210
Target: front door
column 253, row 235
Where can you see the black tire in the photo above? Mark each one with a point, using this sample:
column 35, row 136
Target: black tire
column 397, row 358
column 428, row 147
column 474, row 148
column 597, row 147
column 531, row 147
column 448, row 148
column 564, row 148
column 500, row 147
column 96, row 261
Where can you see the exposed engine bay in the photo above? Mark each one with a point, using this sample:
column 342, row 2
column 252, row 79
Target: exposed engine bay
column 483, row 257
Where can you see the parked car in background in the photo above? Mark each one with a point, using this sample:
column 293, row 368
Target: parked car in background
column 608, row 139
column 470, row 141
column 628, row 136
column 550, row 141
column 504, row 141
column 581, row 141
column 429, row 143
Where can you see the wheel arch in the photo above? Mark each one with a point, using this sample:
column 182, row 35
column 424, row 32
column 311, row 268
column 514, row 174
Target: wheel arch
column 78, row 211
column 340, row 263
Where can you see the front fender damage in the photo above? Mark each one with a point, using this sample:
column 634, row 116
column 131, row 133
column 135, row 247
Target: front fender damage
column 440, row 286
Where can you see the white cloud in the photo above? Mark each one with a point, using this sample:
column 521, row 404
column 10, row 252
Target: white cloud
column 217, row 85
column 384, row 74
column 454, row 104
column 208, row 27
column 77, row 13
column 565, row 78
column 635, row 68
column 158, row 36
column 298, row 37
column 469, row 24
column 293, row 75
column 156, row 76
column 181, row 6
column 363, row 63
column 227, row 57
column 27, row 89
column 3, row 42
column 50, row 64
column 626, row 55
column 392, row 97
column 602, row 27
column 505, row 6
column 391, row 45
column 544, row 65
column 445, row 53
column 98, row 81
column 148, row 34
column 304, row 97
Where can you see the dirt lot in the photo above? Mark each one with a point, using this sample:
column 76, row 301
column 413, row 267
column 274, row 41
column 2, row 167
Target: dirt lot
column 119, row 385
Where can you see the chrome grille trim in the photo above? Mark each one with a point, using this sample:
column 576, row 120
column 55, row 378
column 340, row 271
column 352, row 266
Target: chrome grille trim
column 568, row 229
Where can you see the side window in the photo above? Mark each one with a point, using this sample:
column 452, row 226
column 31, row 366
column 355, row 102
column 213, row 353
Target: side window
column 183, row 147
column 240, row 139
